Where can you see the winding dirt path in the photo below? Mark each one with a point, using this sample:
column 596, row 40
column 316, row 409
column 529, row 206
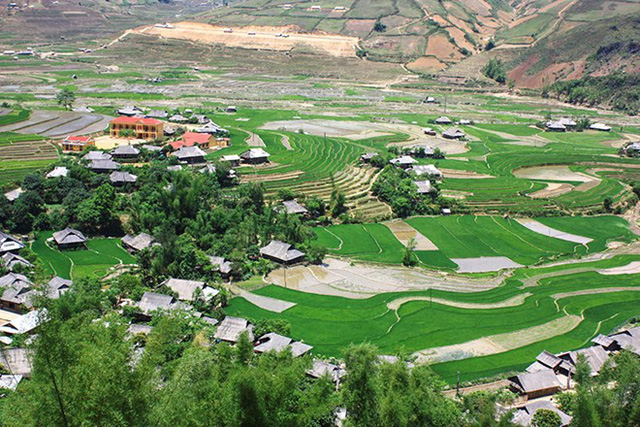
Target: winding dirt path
column 511, row 302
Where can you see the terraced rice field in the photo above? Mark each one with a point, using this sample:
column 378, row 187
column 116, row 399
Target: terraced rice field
column 474, row 237
column 58, row 124
column 562, row 307
column 21, row 155
column 100, row 255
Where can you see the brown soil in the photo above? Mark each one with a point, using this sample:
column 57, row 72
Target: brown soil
column 360, row 27
column 263, row 38
column 554, row 189
column 404, row 233
column 440, row 47
column 522, row 20
column 426, row 63
column 461, row 174
column 458, row 36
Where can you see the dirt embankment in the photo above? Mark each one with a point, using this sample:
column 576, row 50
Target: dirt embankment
column 253, row 37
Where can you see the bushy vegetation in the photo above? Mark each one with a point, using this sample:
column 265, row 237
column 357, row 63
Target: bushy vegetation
column 495, row 70
column 396, row 187
column 618, row 91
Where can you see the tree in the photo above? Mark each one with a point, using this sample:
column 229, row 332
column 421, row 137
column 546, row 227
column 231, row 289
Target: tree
column 546, row 418
column 490, row 44
column 361, row 387
column 337, row 202
column 316, row 254
column 495, row 70
column 66, row 98
column 127, row 133
column 379, row 27
column 608, row 204
column 408, row 258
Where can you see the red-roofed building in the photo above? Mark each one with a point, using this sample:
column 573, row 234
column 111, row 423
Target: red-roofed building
column 77, row 143
column 143, row 128
column 189, row 139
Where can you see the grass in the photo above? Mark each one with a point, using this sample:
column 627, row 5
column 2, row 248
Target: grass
column 94, row 261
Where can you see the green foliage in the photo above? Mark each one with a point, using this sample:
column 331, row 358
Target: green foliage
column 66, row 98
column 618, row 91
column 264, row 326
column 495, row 70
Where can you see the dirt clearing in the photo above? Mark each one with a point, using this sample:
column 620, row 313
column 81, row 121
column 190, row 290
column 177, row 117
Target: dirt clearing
column 253, row 37
column 540, row 228
column 462, row 174
column 484, row 264
column 631, row 268
column 404, row 233
column 511, row 302
column 553, row 173
column 553, row 189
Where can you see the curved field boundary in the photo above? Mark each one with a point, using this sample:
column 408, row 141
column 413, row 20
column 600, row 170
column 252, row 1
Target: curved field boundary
column 499, row 343
column 595, row 291
column 540, row 228
column 511, row 302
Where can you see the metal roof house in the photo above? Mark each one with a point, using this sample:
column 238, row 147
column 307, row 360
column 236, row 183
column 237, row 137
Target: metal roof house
column 120, row 178
column 157, row 114
column 17, row 361
column 103, row 166
column 152, row 301
column 223, row 266
column 24, row 324
column 232, row 159
column 191, row 155
column 125, row 152
column 129, row 111
column 403, row 162
column 292, row 207
column 524, row 416
column 600, row 126
column 422, row 150
column 278, row 343
column 13, row 195
column 186, row 289
column 555, row 127
column 137, row 243
column 366, row 157
column 453, row 133
column 424, row 187
column 255, row 156
column 321, row 368
column 567, row 122
column 9, row 243
column 16, row 292
column 281, row 252
column 96, row 155
column 231, row 328
column 11, row 261
column 429, row 170
column 58, row 286
column 536, row 384
column 58, row 172
column 443, row 120
column 69, row 238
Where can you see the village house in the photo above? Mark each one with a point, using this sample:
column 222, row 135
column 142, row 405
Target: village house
column 190, row 139
column 103, row 166
column 69, row 239
column 142, row 128
column 209, row 169
column 16, row 292
column 186, row 289
column 524, row 415
column 129, row 111
column 536, row 384
column 255, row 156
column 464, row 122
column 96, row 155
column 232, row 159
column 169, row 130
column 77, row 143
column 190, row 155
column 555, row 127
column 178, row 118
column 58, row 286
column 24, row 324
column 276, row 342
column 632, row 149
column 442, row 120
column 422, row 150
column 152, row 301
column 424, row 187
column 119, row 178
column 17, row 361
column 157, row 114
column 57, row 172
column 429, row 170
column 453, row 133
column 221, row 265
column 403, row 162
column 125, row 152
column 322, row 368
column 9, row 243
column 292, row 207
column 212, row 128
column 137, row 243
column 231, row 109
column 366, row 157
column 282, row 253
column 11, row 261
column 600, row 126
column 230, row 329
column 10, row 382
column 429, row 131
column 13, row 195
column 568, row 123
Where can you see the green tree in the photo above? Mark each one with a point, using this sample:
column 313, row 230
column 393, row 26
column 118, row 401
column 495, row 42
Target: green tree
column 66, row 98
column 338, row 203
column 361, row 386
column 127, row 133
column 409, row 259
column 546, row 418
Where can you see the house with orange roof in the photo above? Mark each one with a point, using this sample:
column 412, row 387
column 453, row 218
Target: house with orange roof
column 143, row 128
column 77, row 142
column 189, row 139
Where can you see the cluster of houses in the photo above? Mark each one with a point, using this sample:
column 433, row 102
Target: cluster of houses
column 566, row 124
column 451, row 133
column 551, row 373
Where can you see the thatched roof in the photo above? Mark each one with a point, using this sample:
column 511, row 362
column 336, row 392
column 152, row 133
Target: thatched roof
column 536, row 381
column 272, row 342
column 9, row 243
column 17, row 361
column 58, row 286
column 184, row 288
column 223, row 266
column 255, row 153
column 125, row 150
column 57, row 172
column 281, row 252
column 293, row 207
column 69, row 236
column 118, row 177
column 11, row 260
column 139, row 242
column 152, row 301
column 24, row 324
column 231, row 328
